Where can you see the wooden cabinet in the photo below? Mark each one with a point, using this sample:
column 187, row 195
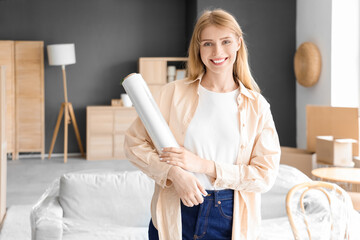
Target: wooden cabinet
column 29, row 96
column 106, row 126
column 7, row 59
column 154, row 70
column 24, row 61
column 3, row 168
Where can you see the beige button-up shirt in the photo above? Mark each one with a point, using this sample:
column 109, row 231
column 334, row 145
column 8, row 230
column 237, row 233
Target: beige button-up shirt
column 254, row 172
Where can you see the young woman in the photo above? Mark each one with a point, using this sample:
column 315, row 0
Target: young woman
column 210, row 187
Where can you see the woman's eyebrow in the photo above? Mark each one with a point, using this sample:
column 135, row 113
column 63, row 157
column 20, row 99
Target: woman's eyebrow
column 203, row 40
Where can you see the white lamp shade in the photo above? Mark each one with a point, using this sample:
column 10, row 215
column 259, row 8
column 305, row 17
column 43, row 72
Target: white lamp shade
column 61, row 54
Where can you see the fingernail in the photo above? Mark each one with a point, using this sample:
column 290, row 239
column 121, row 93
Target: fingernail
column 161, row 159
column 167, row 161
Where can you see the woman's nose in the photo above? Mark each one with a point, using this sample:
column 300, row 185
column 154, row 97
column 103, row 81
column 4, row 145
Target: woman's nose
column 217, row 50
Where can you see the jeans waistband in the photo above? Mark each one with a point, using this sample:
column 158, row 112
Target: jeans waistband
column 216, row 195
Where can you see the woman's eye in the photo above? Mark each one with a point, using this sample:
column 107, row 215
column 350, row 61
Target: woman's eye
column 227, row 42
column 207, row 44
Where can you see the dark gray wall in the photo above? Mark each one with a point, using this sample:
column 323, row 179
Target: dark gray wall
column 109, row 38
column 191, row 17
column 111, row 35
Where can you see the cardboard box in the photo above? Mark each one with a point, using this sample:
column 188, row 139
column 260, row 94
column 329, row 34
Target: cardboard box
column 117, row 102
column 340, row 122
column 298, row 158
column 338, row 152
column 356, row 161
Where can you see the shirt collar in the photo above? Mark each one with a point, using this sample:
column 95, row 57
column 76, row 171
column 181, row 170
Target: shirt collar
column 243, row 90
column 199, row 78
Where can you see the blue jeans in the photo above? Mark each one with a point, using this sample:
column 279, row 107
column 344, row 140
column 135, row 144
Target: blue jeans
column 210, row 220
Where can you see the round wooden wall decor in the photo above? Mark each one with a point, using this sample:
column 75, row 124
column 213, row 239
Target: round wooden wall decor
column 307, row 64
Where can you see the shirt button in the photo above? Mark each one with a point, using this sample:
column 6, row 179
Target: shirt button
column 243, row 125
column 242, row 146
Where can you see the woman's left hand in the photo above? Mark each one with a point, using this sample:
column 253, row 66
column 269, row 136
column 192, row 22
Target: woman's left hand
column 183, row 158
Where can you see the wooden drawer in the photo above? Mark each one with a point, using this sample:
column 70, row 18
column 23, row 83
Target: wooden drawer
column 101, row 121
column 105, row 130
column 119, row 146
column 124, row 118
column 100, row 147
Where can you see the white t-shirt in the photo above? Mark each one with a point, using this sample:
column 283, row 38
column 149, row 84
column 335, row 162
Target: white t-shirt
column 214, row 133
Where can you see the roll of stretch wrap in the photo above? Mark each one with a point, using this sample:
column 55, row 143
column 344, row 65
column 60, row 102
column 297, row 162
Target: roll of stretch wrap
column 149, row 112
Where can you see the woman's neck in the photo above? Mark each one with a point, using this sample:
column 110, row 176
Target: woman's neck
column 219, row 82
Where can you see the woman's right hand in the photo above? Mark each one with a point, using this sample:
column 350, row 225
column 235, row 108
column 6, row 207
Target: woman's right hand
column 187, row 186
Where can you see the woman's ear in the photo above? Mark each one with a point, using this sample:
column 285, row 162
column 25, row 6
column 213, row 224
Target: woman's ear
column 239, row 43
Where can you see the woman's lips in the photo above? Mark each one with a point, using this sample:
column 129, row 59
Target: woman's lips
column 218, row 61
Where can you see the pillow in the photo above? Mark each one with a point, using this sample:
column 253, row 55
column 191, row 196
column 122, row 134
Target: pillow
column 121, row 198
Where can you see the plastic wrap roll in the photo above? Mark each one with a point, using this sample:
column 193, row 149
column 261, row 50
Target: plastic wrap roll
column 149, row 112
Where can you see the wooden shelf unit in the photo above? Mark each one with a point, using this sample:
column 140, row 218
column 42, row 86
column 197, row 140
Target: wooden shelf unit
column 105, row 131
column 154, row 70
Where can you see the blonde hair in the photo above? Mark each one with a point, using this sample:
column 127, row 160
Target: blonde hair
column 220, row 18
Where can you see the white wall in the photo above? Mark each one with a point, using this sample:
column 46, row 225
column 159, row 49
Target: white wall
column 345, row 53
column 333, row 25
column 313, row 23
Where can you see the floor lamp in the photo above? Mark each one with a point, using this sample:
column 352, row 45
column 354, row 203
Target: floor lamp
column 62, row 55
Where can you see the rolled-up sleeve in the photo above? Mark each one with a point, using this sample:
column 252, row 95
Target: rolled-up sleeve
column 140, row 150
column 259, row 175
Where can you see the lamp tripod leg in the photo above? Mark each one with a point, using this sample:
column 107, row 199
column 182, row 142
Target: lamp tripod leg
column 56, row 130
column 73, row 119
column 66, row 124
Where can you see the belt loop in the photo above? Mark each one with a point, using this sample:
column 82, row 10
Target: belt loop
column 216, row 197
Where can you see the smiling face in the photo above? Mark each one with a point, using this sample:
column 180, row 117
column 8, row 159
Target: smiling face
column 218, row 49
